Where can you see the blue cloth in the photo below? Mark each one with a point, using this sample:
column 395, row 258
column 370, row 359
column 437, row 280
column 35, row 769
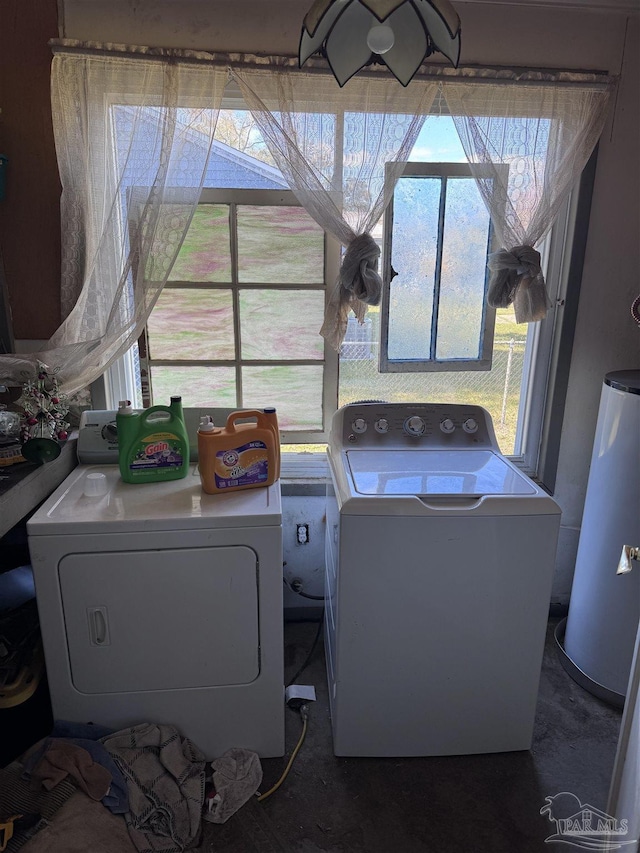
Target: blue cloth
column 117, row 798
column 16, row 587
column 87, row 731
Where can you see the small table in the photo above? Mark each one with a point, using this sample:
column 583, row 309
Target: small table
column 24, row 486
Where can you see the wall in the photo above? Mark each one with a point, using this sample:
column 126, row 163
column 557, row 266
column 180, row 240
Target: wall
column 303, row 562
column 30, row 212
column 524, row 34
column 606, row 336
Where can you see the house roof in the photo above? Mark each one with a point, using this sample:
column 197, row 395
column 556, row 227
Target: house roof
column 227, row 167
column 241, row 159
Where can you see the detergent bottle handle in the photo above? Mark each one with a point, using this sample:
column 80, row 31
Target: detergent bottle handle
column 146, row 413
column 243, row 415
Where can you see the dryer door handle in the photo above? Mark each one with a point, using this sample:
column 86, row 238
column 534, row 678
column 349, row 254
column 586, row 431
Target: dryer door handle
column 98, row 626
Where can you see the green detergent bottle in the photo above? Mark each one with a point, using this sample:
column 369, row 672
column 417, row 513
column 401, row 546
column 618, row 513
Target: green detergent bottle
column 153, row 445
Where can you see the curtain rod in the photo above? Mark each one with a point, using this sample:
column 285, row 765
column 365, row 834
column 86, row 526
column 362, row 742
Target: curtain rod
column 501, row 75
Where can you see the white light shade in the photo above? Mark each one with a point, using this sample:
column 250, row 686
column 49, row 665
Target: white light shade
column 408, row 31
column 380, row 39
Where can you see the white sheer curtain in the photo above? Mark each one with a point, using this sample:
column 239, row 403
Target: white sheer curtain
column 333, row 146
column 134, row 127
column 545, row 131
column 133, row 135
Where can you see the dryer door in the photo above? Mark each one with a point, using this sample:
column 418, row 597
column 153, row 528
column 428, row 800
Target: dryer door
column 159, row 620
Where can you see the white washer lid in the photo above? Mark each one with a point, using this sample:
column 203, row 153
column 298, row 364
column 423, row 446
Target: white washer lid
column 126, row 507
column 463, row 473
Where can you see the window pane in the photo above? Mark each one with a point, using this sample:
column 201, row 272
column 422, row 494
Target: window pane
column 281, row 324
column 205, row 254
column 198, row 386
column 192, row 323
column 413, row 257
column 462, row 279
column 295, row 391
column 279, row 245
column 256, row 169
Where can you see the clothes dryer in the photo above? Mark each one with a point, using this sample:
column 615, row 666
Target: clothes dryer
column 439, row 561
column 160, row 603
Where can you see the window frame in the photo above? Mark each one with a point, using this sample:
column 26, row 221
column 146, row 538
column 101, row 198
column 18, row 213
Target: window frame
column 329, row 362
column 546, row 354
column 444, row 171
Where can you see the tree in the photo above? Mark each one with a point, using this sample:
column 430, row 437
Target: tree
column 237, row 129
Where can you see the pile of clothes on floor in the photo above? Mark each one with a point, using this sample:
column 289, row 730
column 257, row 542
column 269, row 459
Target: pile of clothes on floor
column 156, row 779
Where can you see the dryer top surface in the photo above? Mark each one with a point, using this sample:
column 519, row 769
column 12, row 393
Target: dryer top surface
column 174, row 505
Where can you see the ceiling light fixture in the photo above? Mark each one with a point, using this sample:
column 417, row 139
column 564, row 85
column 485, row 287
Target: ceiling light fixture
column 400, row 33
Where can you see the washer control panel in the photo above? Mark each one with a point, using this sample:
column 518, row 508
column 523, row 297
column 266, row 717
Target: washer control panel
column 424, row 425
column 98, row 438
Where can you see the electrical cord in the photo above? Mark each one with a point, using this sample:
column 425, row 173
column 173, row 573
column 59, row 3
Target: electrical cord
column 304, row 714
column 301, row 593
column 310, row 653
column 312, row 597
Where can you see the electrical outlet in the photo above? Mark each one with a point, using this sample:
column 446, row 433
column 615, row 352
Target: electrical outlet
column 302, row 534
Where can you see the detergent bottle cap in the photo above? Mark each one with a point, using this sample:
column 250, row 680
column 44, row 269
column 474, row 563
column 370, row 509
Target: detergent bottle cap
column 95, row 485
column 270, row 410
column 206, row 424
column 124, row 407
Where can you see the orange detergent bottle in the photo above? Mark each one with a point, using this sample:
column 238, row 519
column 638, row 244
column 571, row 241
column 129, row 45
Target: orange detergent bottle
column 240, row 456
column 273, row 420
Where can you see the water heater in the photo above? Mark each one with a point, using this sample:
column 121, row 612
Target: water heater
column 604, row 610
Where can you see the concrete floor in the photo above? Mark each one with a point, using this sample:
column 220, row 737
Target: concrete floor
column 462, row 804
column 467, row 804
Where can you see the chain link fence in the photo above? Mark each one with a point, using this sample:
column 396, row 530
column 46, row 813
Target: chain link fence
column 497, row 390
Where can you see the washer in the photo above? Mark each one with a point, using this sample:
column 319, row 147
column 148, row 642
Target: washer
column 159, row 603
column 439, row 561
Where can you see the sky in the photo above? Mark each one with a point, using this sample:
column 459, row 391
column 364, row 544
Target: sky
column 438, row 142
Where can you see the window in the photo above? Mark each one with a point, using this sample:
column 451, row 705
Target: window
column 237, row 323
column 438, row 237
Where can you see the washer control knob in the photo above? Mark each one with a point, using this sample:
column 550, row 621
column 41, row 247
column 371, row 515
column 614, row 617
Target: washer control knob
column 382, row 425
column 110, row 432
column 470, row 425
column 447, row 426
column 359, row 425
column 414, row 425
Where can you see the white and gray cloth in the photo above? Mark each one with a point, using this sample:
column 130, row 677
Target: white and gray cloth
column 359, row 284
column 165, row 778
column 236, row 777
column 516, row 277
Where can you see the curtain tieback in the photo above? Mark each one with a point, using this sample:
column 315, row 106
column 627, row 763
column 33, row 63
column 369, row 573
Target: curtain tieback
column 359, row 271
column 358, row 285
column 521, row 261
column 516, row 277
column 525, row 260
